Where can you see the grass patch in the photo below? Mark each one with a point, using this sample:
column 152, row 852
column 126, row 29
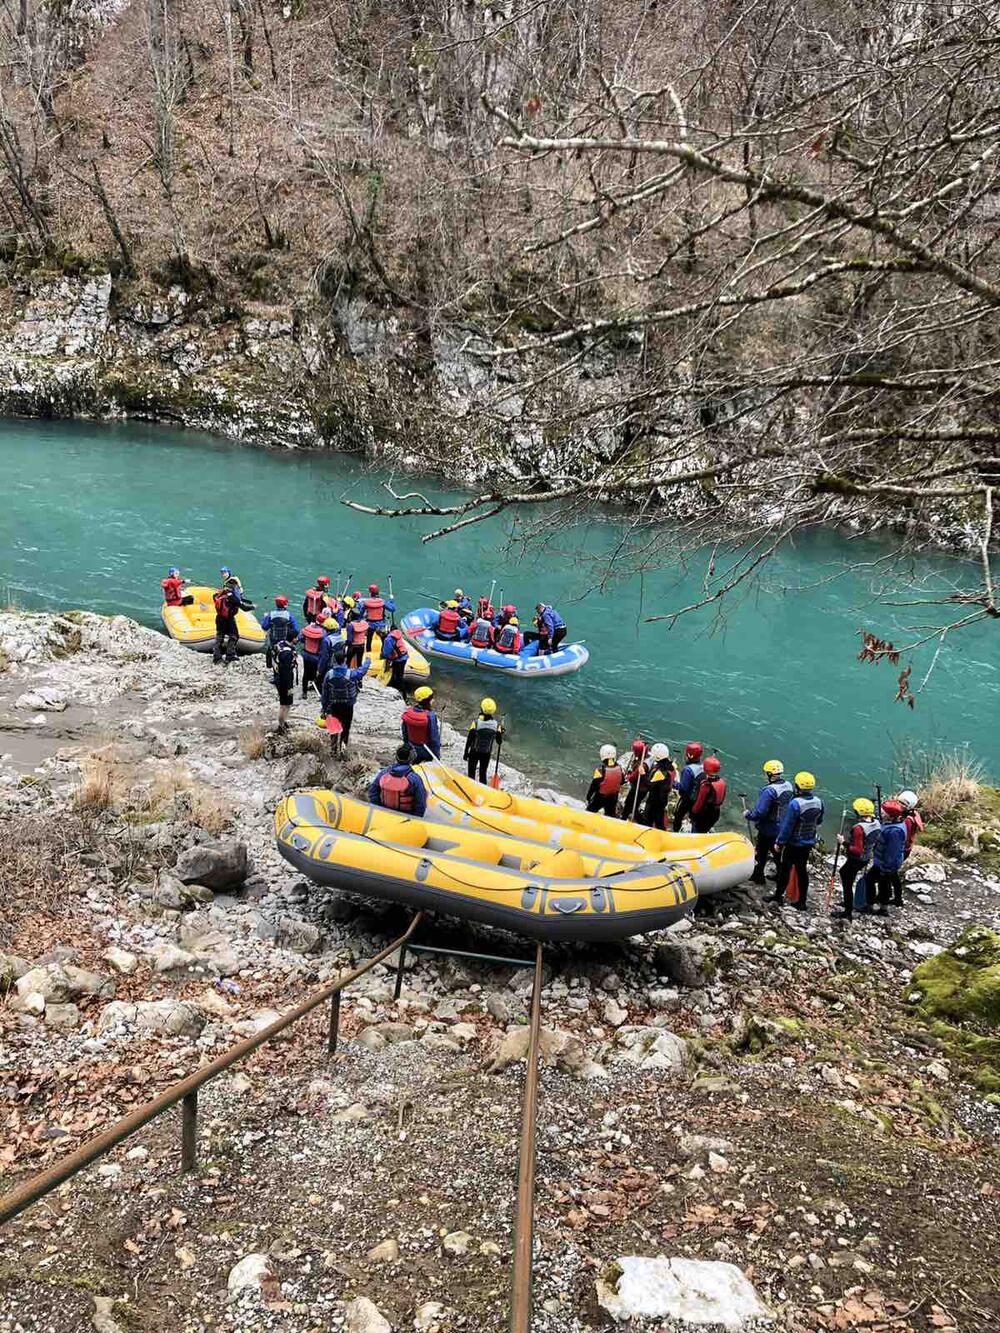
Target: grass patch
column 109, row 784
column 949, row 782
column 253, row 741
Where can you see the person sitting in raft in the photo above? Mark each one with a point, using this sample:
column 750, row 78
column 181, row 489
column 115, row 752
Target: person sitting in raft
column 419, row 725
column 398, row 787
column 551, row 628
column 481, row 632
column 375, row 608
column 508, row 639
column 602, row 794
column 315, row 599
column 173, row 588
column 505, row 615
column 464, row 604
column 449, row 623
column 486, row 610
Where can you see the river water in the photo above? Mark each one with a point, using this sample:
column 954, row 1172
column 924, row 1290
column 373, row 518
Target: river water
column 93, row 515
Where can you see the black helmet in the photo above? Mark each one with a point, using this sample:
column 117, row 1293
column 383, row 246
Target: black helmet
column 405, row 754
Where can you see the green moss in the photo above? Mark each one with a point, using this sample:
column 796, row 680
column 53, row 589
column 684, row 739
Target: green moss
column 963, row 982
column 951, row 834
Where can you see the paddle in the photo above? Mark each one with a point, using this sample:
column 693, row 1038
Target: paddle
column 495, row 779
column 392, row 613
column 836, row 858
column 638, row 780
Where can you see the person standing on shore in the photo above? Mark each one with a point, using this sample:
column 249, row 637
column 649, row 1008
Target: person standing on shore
column 660, row 785
column 285, row 661
column 228, row 601
column 885, row 888
column 340, row 692
column 688, row 780
column 606, row 783
column 858, row 847
column 797, row 836
column 278, row 625
column 483, row 734
column 767, row 813
column 709, row 795
column 395, row 655
column 419, row 725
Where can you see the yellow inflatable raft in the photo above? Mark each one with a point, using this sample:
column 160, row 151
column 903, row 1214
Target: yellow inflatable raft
column 715, row 860
column 549, row 893
column 417, row 666
column 194, row 625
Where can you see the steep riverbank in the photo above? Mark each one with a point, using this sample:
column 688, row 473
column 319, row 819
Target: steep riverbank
column 798, row 1101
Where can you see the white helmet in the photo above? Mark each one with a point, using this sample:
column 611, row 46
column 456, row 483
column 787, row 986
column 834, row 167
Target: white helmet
column 609, row 752
column 908, row 799
column 659, row 751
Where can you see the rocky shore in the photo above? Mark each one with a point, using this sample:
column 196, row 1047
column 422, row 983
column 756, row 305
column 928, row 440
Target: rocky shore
column 794, row 1123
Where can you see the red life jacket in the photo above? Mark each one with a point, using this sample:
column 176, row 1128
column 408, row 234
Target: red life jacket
column 482, row 632
column 171, row 591
column 417, row 724
column 712, row 793
column 396, row 792
column 508, row 640
column 312, row 637
column 314, row 601
column 913, row 825
column 448, row 622
column 398, row 648
column 611, row 783
column 222, row 603
column 485, row 609
column 358, row 630
column 374, row 610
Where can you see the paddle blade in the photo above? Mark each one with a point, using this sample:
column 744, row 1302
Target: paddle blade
column 792, row 890
column 495, row 781
column 330, row 724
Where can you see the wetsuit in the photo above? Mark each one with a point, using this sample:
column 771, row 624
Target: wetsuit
column 228, row 602
column 479, row 745
column 399, row 788
column 602, row 794
column 858, row 846
column 707, row 805
column 661, row 781
column 686, row 784
column 884, row 884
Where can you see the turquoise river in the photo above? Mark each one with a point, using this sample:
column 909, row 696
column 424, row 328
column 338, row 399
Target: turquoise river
column 94, row 513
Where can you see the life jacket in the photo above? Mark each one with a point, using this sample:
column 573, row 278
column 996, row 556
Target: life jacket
column 868, row 831
column 358, row 630
column 374, row 610
column 222, row 600
column 783, row 792
column 890, row 847
column 395, row 790
column 171, row 591
column 714, row 790
column 507, row 638
column 810, row 812
column 286, row 664
column 611, row 782
column 485, row 609
column 417, row 724
column 339, row 686
column 696, row 771
column 312, row 638
column 447, row 626
column 485, row 731
column 913, row 825
column 479, row 636
column 399, row 649
column 279, row 628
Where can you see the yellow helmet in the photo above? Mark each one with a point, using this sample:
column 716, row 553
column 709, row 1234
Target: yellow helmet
column 452, row 605
column 349, row 603
column 330, row 623
column 423, row 693
column 488, row 706
column 805, row 781
column 863, row 807
column 513, row 621
column 774, row 768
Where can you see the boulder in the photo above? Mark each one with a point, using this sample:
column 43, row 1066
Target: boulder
column 44, row 698
column 297, row 935
column 362, row 1316
column 170, row 894
column 686, row 962
column 12, row 968
column 62, row 1017
column 168, row 1018
column 649, row 1048
column 57, row 983
column 557, row 1048
column 219, row 865
column 962, row 983
column 168, row 958
column 457, row 1242
column 613, row 1014
column 690, row 1291
column 120, row 960
column 926, row 874
column 395, row 1033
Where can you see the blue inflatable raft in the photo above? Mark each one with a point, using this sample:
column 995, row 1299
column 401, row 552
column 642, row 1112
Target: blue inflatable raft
column 529, row 662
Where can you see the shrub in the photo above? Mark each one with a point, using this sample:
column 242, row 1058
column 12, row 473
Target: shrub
column 253, row 740
column 948, row 781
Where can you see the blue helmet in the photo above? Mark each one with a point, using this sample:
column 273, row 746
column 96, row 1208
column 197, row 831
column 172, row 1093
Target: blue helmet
column 225, row 571
column 173, row 572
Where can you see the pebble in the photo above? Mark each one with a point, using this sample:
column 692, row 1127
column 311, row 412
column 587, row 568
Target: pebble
column 457, row 1242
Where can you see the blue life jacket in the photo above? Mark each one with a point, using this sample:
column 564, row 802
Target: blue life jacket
column 801, row 820
column 341, row 685
column 772, row 802
column 688, row 780
column 280, row 626
column 890, row 844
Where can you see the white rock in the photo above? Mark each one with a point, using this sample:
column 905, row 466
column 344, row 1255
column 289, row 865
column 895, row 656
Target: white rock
column 926, row 948
column 103, row 1319
column 939, row 1070
column 120, row 960
column 45, row 698
column 363, row 1316
column 137, row 1154
column 693, row 1145
column 463, row 1031
column 428, row 1316
column 457, row 1242
column 693, row 1291
column 927, row 874
column 717, row 1163
column 387, row 1252
column 251, row 1271
column 34, row 1002
column 614, row 1015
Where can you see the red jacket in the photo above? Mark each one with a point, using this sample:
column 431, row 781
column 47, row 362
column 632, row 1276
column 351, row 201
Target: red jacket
column 711, row 793
column 172, row 591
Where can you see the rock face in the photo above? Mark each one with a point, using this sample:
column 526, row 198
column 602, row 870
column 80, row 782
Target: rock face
column 218, row 865
column 691, row 1291
column 963, row 981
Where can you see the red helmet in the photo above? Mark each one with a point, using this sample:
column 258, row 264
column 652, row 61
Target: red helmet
column 893, row 809
column 280, row 600
column 373, row 589
column 638, row 747
column 322, row 581
column 693, row 750
column 356, row 594
column 509, row 610
column 712, row 766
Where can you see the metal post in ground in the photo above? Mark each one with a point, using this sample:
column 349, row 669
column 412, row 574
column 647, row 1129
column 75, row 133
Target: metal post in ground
column 331, row 1041
column 520, row 1304
column 189, row 1131
column 399, row 972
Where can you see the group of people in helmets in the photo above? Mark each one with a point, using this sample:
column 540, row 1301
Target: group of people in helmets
column 786, row 818
column 487, row 626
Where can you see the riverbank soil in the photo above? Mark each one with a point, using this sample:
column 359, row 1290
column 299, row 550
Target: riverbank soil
column 765, row 1089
